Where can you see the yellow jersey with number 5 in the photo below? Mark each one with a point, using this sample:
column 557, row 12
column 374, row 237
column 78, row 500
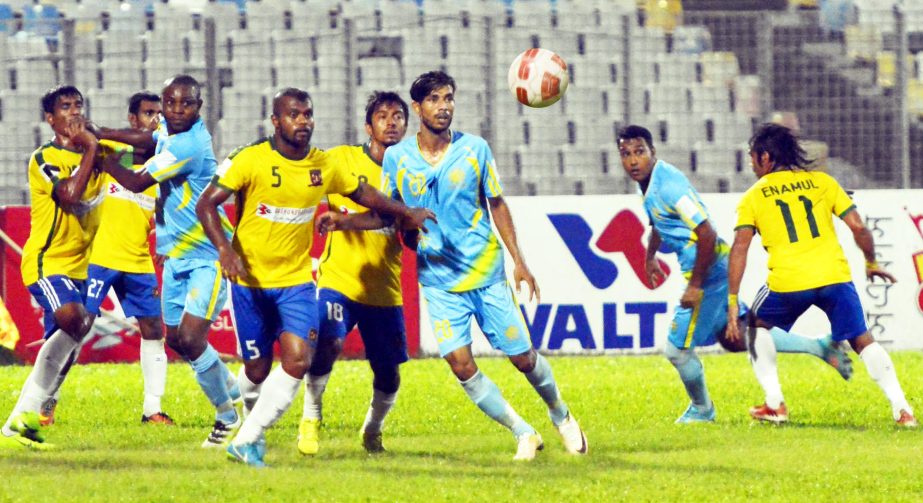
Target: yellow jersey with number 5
column 793, row 213
column 276, row 201
column 365, row 266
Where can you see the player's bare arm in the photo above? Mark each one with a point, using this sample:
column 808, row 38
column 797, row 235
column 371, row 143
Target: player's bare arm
column 135, row 181
column 504, row 222
column 737, row 264
column 866, row 243
column 331, row 221
column 70, row 190
column 141, row 139
column 652, row 268
column 704, row 258
column 410, row 218
column 206, row 209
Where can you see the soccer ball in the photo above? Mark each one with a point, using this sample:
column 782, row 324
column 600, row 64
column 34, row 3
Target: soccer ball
column 538, row 78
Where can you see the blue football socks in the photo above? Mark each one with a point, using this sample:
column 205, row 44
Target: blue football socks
column 692, row 373
column 542, row 379
column 486, row 395
column 210, row 374
column 787, row 342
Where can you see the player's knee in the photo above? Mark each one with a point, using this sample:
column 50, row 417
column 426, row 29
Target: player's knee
column 464, row 370
column 257, row 371
column 387, row 378
column 524, row 362
column 151, row 328
column 74, row 320
column 325, row 355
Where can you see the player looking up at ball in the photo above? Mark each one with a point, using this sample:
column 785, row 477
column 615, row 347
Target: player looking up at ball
column 681, row 222
column 792, row 209
column 358, row 282
column 460, row 261
column 279, row 182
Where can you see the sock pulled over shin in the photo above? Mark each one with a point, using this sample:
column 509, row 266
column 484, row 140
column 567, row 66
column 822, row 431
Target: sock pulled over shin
column 486, row 395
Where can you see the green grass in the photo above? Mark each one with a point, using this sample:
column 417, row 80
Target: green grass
column 840, row 445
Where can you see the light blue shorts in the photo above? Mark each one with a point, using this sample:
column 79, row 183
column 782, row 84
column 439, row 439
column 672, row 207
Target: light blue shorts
column 194, row 286
column 495, row 309
column 700, row 326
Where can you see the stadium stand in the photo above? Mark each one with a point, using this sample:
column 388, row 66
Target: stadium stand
column 699, row 76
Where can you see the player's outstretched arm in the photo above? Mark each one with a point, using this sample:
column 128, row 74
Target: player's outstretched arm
column 141, row 139
column 207, row 210
column 864, row 240
column 374, row 199
column 331, row 221
column 737, row 264
column 70, row 190
column 704, row 257
column 503, row 219
column 135, row 181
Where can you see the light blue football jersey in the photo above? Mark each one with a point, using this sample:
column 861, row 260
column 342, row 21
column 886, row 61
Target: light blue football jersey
column 675, row 209
column 461, row 252
column 183, row 166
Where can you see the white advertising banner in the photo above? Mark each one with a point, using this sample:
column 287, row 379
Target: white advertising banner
column 587, row 254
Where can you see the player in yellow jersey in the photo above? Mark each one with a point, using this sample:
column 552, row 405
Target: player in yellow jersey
column 278, row 182
column 66, row 191
column 121, row 259
column 359, row 283
column 792, row 209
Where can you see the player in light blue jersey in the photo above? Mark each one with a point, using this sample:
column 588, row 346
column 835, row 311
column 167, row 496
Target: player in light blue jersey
column 681, row 223
column 193, row 289
column 460, row 260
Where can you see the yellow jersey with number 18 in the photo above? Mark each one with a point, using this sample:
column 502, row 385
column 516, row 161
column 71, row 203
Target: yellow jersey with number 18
column 60, row 237
column 365, row 266
column 276, row 201
column 793, row 213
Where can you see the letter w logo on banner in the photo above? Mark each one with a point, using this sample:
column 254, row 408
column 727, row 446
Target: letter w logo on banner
column 624, row 234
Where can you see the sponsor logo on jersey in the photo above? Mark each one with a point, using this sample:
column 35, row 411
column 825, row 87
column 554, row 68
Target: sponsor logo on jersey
column 284, row 215
column 145, row 201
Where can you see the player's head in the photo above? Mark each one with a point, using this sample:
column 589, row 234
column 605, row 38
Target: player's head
column 774, row 147
column 385, row 118
column 636, row 148
column 433, row 95
column 144, row 110
column 60, row 104
column 293, row 118
column 182, row 100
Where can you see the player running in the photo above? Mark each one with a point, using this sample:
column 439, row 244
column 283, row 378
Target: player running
column 279, row 182
column 460, row 261
column 193, row 290
column 66, row 192
column 358, row 283
column 792, row 209
column 680, row 220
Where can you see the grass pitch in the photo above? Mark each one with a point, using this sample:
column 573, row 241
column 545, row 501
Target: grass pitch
column 840, row 445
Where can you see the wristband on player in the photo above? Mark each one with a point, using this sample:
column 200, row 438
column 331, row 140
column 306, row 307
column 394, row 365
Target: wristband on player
column 871, row 265
column 732, row 298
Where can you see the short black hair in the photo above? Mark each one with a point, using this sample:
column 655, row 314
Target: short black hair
column 379, row 98
column 633, row 131
column 134, row 103
column 51, row 96
column 185, row 80
column 428, row 82
column 782, row 146
column 289, row 92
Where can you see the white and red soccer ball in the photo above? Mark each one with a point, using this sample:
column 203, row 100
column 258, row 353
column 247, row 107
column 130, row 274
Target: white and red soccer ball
column 538, row 78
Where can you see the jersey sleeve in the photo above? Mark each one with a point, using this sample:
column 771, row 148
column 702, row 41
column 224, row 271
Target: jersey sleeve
column 490, row 182
column 681, row 198
column 176, row 158
column 388, row 173
column 43, row 177
column 746, row 217
column 341, row 181
column 232, row 173
column 842, row 203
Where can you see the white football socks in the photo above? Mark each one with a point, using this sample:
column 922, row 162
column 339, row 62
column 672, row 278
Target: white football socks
column 379, row 407
column 280, row 391
column 249, row 390
column 154, row 370
column 881, row 369
column 765, row 368
column 314, row 387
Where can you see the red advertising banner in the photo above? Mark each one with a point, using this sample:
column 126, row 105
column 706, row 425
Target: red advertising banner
column 113, row 338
